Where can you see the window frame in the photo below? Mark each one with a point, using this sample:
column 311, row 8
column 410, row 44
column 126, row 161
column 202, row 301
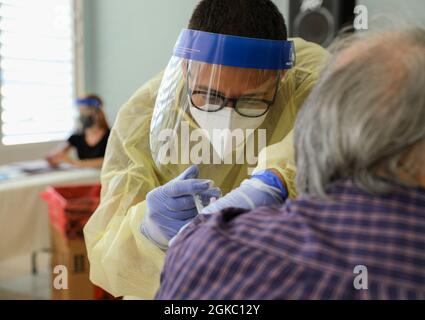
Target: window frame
column 36, row 150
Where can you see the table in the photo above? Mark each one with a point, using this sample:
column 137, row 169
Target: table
column 24, row 223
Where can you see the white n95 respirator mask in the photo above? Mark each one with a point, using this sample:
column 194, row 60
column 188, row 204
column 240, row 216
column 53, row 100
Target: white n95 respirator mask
column 227, row 130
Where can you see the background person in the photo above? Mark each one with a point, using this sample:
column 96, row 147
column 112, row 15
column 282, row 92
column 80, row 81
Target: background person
column 90, row 141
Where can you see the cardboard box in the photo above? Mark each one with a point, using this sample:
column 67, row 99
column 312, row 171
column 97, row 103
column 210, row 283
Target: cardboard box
column 70, row 207
column 72, row 254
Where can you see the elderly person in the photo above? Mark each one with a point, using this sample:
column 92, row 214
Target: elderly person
column 358, row 230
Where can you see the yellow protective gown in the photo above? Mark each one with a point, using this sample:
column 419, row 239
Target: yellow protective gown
column 122, row 260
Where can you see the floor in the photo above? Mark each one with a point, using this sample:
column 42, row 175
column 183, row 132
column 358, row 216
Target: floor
column 18, row 283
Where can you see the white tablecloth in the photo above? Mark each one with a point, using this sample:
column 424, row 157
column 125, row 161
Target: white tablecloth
column 24, row 223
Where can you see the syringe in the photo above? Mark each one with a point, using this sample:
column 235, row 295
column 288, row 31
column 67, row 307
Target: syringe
column 198, row 203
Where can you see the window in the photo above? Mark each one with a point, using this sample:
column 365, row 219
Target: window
column 37, row 70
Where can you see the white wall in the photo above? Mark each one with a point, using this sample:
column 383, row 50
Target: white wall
column 128, row 42
column 412, row 10
column 25, row 152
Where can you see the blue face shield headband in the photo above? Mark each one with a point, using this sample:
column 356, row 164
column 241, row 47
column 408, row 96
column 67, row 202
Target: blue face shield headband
column 235, row 51
column 88, row 102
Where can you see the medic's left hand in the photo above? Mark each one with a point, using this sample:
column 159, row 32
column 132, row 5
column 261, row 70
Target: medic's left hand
column 263, row 189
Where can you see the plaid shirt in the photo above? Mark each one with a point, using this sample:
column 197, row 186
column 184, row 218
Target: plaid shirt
column 307, row 249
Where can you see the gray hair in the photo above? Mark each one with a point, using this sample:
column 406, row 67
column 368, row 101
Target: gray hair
column 366, row 114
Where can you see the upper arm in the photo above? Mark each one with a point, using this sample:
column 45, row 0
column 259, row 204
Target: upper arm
column 62, row 147
column 280, row 158
column 73, row 140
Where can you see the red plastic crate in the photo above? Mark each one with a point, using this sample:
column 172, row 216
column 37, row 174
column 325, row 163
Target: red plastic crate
column 100, row 294
column 70, row 207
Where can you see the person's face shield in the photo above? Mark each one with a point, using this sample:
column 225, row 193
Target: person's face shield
column 88, row 109
column 216, row 83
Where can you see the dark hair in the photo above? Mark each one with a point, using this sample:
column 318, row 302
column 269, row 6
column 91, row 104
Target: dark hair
column 94, row 97
column 243, row 18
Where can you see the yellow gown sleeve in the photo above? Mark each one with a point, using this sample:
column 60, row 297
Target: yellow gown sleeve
column 280, row 157
column 122, row 260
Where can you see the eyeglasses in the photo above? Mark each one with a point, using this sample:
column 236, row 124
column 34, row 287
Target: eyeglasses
column 212, row 101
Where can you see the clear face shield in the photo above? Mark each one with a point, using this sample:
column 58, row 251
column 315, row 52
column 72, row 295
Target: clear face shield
column 216, row 92
column 88, row 109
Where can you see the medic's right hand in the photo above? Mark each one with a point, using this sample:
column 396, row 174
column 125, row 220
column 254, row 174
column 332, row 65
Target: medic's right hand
column 172, row 206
